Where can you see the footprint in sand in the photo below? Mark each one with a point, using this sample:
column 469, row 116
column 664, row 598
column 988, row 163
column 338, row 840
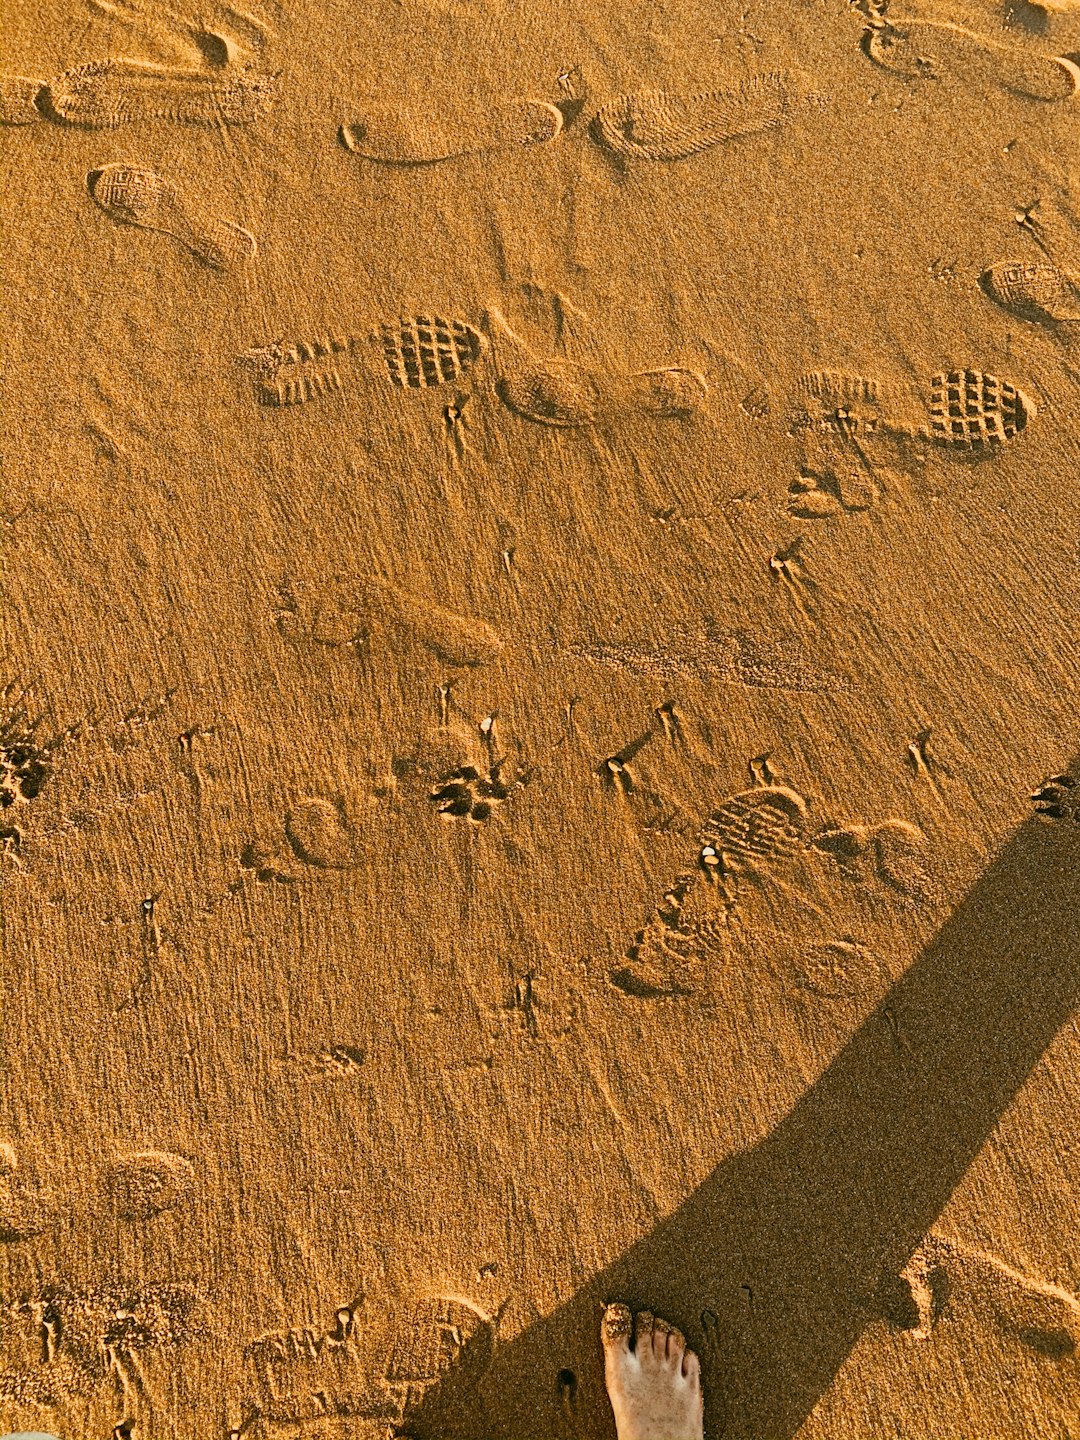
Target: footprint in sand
column 938, row 50
column 681, row 941
column 232, row 36
column 971, row 410
column 754, row 835
column 35, row 1369
column 349, row 611
column 422, row 351
column 107, row 93
column 293, row 372
column 974, row 410
column 320, row 833
column 26, row 1209
column 838, row 970
column 1057, row 798
column 401, row 136
column 822, row 494
column 891, row 853
column 944, row 1274
column 26, row 757
column 565, row 394
column 19, row 100
column 93, row 1328
column 147, row 1183
column 660, row 125
column 450, row 636
column 765, row 824
column 136, row 195
column 1034, row 290
column 832, row 401
column 433, row 1335
column 372, row 1371
column 293, row 385
column 470, row 794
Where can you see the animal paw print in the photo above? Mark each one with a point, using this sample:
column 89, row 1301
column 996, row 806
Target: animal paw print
column 341, row 1059
column 470, row 795
column 1058, row 798
column 24, row 763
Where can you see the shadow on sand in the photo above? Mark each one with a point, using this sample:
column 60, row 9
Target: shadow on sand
column 772, row 1263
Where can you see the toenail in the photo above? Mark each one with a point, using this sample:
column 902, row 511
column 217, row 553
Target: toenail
column 617, row 1321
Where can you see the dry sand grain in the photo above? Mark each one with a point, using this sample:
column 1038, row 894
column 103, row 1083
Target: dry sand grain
column 540, row 731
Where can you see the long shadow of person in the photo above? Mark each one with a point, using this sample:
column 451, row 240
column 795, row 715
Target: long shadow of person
column 774, row 1258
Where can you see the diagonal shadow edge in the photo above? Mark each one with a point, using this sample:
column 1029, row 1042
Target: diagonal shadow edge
column 771, row 1263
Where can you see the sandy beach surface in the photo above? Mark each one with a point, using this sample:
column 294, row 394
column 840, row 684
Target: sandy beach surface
column 540, row 741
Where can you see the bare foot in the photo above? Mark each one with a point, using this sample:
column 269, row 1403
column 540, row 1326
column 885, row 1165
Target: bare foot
column 654, row 1387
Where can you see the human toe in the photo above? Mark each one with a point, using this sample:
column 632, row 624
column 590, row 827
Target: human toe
column 661, row 1334
column 676, row 1345
column 643, row 1333
column 616, row 1328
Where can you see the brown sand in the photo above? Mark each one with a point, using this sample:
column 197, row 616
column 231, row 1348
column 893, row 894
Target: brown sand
column 541, row 574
